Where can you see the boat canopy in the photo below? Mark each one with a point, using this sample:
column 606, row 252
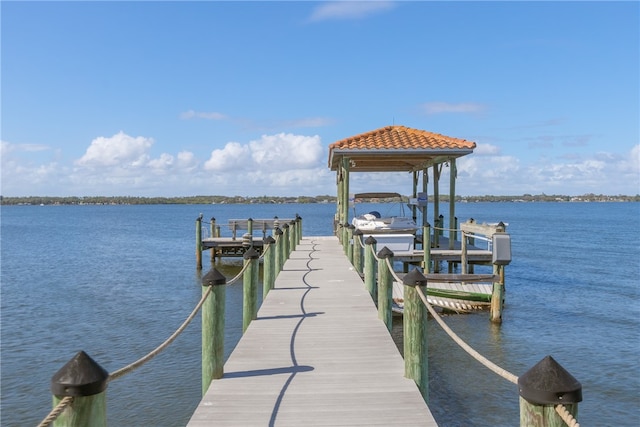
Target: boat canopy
column 377, row 195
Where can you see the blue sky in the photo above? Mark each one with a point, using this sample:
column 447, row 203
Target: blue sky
column 244, row 98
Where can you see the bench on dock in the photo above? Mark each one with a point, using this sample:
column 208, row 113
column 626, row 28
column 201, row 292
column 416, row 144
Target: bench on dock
column 257, row 224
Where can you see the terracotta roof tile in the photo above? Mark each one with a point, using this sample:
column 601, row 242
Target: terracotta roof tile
column 400, row 137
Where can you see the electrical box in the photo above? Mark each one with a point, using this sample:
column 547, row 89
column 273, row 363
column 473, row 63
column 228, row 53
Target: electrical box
column 501, row 249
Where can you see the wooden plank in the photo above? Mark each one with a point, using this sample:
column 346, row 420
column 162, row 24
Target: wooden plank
column 317, row 355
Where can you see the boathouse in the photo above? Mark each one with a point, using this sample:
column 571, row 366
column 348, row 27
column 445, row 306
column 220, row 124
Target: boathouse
column 399, row 149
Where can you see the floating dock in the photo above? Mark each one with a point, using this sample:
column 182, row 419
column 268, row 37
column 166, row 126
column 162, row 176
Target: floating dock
column 316, row 355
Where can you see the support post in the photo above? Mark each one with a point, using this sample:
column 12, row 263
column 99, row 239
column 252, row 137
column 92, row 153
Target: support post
column 213, row 233
column 213, row 328
column 453, row 172
column 541, row 388
column 416, row 362
column 269, row 266
column 357, row 251
column 299, row 226
column 385, row 287
column 463, row 253
column 426, row 243
column 279, row 250
column 497, row 295
column 199, row 242
column 285, row 241
column 370, row 267
column 350, row 243
column 293, row 236
column 250, row 288
column 85, row 380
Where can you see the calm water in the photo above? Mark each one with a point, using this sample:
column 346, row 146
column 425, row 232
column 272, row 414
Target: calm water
column 115, row 281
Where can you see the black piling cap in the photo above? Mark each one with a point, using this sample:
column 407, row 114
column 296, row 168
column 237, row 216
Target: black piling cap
column 385, row 253
column 414, row 278
column 214, row 278
column 285, row 225
column 81, row 376
column 351, row 227
column 358, row 232
column 269, row 240
column 548, row 383
column 251, row 254
column 370, row 240
column 279, row 232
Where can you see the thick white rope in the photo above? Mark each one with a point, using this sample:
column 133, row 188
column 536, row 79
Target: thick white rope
column 55, row 412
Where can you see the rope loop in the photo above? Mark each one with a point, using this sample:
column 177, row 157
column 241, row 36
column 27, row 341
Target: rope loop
column 566, row 416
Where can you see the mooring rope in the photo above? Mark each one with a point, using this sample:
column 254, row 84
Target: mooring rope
column 55, row 412
column 129, row 368
column 566, row 416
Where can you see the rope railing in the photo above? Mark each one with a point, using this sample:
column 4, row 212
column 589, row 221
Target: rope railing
column 560, row 409
column 55, row 412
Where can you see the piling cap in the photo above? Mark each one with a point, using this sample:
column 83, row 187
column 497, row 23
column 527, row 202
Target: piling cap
column 285, row 225
column 251, row 253
column 370, row 240
column 358, row 232
column 414, row 278
column 279, row 232
column 269, row 240
column 214, row 278
column 548, row 383
column 81, row 376
column 385, row 253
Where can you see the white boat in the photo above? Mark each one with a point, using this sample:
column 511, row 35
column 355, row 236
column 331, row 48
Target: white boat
column 374, row 223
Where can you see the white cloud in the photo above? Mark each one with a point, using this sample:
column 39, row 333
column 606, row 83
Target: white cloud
column 486, row 150
column 297, row 151
column 349, row 9
column 118, row 150
column 446, row 107
column 233, row 156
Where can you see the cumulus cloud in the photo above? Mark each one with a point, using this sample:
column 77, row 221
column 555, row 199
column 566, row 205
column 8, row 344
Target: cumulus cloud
column 446, row 107
column 486, row 150
column 120, row 150
column 349, row 10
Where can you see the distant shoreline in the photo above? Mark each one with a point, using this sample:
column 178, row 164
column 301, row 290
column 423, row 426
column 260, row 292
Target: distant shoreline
column 207, row 200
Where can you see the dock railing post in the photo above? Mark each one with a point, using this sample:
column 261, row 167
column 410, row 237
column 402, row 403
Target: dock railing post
column 350, row 243
column 250, row 231
column 86, row 381
column 345, row 238
column 414, row 322
column 541, row 389
column 269, row 267
column 357, row 250
column 199, row 242
column 370, row 267
column 385, row 287
column 501, row 255
column 250, row 288
column 426, row 246
column 293, row 236
column 285, row 241
column 279, row 250
column 213, row 328
column 299, row 226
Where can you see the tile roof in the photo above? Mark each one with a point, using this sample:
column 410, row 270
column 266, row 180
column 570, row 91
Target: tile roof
column 400, row 137
column 397, row 148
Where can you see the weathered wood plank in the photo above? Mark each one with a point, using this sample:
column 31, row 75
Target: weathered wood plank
column 317, row 355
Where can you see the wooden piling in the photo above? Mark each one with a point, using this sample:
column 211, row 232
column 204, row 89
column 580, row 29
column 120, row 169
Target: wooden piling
column 541, row 388
column 213, row 233
column 199, row 242
column 357, row 251
column 385, row 287
column 370, row 267
column 250, row 288
column 279, row 250
column 86, row 381
column 213, row 312
column 497, row 295
column 285, row 241
column 426, row 246
column 293, row 236
column 414, row 322
column 350, row 243
column 269, row 265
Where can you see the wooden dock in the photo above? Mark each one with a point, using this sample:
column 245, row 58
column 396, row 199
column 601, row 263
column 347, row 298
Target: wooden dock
column 317, row 355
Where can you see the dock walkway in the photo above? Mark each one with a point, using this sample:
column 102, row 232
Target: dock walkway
column 317, row 355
